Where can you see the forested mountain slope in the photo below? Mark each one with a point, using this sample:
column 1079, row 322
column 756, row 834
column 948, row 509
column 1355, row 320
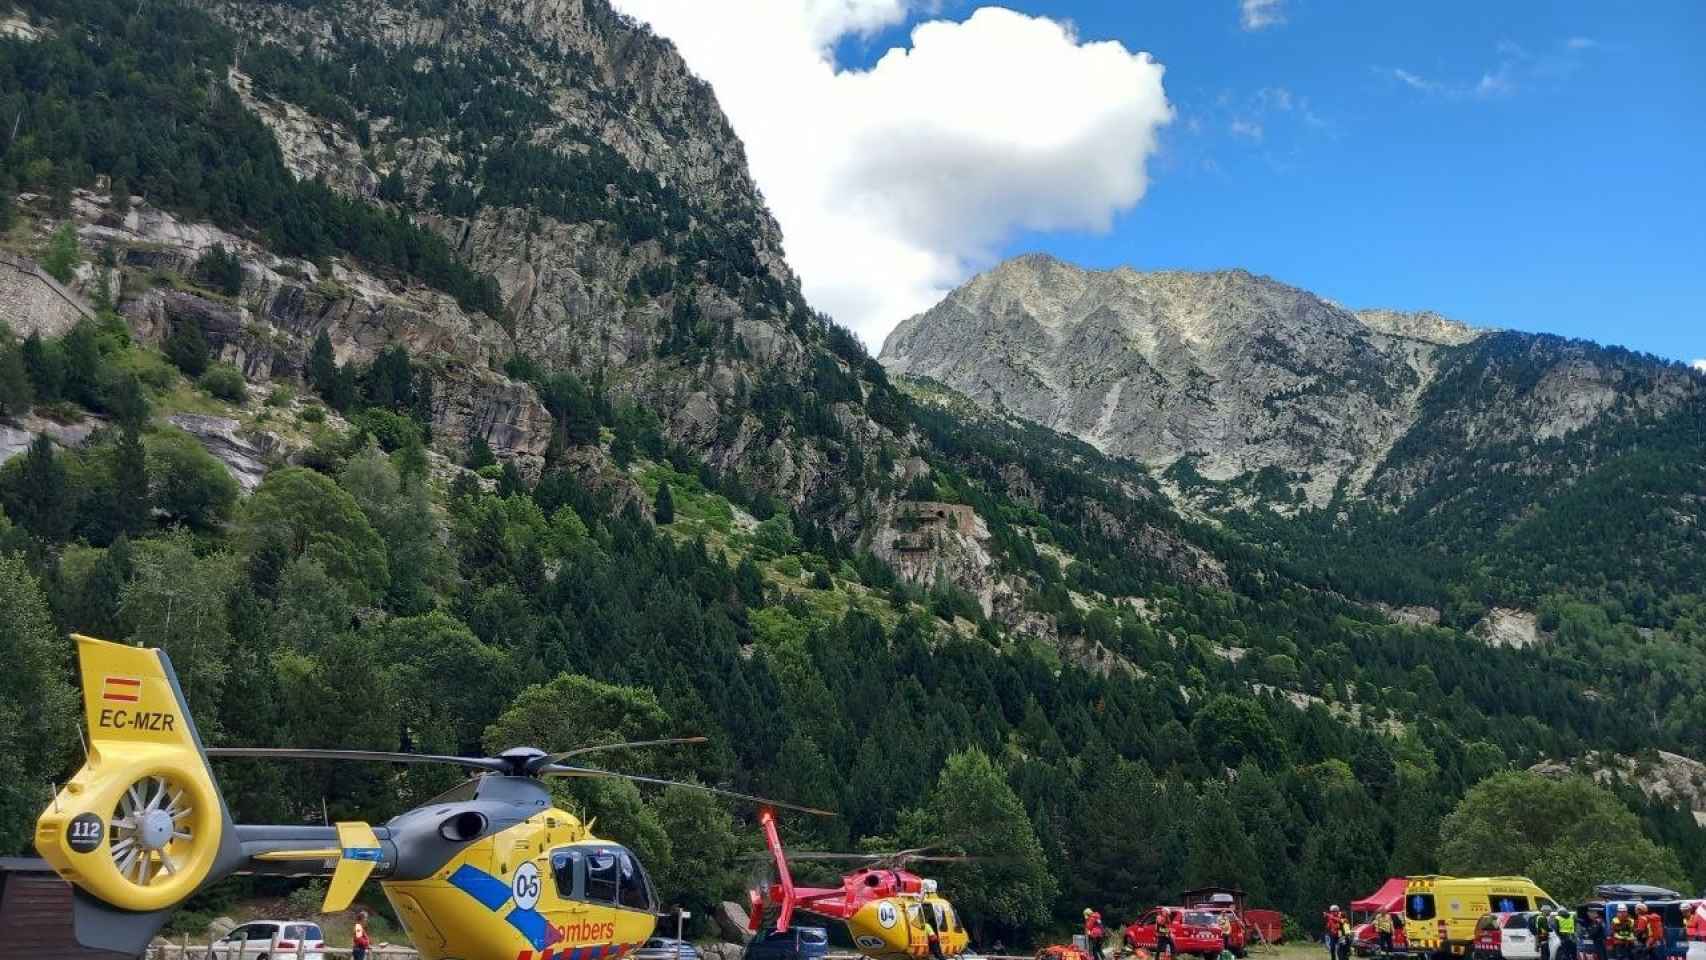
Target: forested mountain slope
column 430, row 380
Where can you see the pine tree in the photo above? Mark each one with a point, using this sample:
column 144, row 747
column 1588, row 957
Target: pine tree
column 45, row 364
column 187, row 348
column 479, row 453
column 663, row 508
column 510, row 482
column 130, row 482
column 42, row 493
column 322, row 366
column 16, row 392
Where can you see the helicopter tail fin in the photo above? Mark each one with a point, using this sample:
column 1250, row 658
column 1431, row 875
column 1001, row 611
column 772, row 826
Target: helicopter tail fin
column 359, row 853
column 141, row 826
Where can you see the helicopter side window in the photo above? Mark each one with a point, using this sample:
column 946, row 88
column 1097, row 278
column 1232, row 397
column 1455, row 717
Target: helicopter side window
column 602, row 884
column 564, row 865
column 636, row 891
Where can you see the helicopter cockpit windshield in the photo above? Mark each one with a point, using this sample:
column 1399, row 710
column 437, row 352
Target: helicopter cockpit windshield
column 604, row 874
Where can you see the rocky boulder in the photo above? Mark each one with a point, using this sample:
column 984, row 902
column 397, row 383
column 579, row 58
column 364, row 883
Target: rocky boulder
column 246, row 459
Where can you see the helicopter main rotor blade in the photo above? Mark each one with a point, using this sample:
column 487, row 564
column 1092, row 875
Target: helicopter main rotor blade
column 541, row 762
column 291, row 753
column 818, row 855
column 565, row 770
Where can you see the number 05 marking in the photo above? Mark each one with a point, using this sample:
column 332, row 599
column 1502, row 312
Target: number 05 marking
column 525, row 886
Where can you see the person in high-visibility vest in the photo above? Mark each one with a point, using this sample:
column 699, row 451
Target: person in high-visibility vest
column 1566, row 934
column 1623, row 934
column 1540, row 924
column 1383, row 931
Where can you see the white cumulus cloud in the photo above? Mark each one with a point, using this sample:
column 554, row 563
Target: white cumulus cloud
column 1699, row 364
column 894, row 184
column 1260, row 14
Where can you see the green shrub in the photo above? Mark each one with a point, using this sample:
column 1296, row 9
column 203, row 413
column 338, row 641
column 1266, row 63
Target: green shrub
column 187, row 483
column 393, row 431
column 280, row 396
column 305, row 901
column 187, row 348
column 63, row 254
column 314, row 414
column 225, row 382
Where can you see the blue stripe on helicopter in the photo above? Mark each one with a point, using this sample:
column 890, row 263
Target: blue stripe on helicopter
column 364, row 853
column 482, row 886
column 492, row 894
column 531, row 923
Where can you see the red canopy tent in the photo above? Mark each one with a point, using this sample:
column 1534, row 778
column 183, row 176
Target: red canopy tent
column 1388, row 899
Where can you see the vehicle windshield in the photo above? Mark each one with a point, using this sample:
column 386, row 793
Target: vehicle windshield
column 1488, row 922
column 1516, row 921
column 1202, row 918
column 1508, row 903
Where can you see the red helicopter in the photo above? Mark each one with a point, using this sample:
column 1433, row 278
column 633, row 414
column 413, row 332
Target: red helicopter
column 890, row 912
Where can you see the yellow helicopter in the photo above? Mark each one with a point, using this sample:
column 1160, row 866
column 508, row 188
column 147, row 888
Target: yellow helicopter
column 489, row 870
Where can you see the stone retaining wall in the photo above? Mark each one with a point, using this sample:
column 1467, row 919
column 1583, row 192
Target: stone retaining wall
column 33, row 302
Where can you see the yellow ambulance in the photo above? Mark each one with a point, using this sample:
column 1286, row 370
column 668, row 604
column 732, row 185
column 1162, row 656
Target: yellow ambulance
column 1440, row 912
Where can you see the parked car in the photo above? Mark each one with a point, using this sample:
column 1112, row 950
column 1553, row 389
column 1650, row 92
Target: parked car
column 666, row 948
column 798, row 943
column 270, row 940
column 1195, row 930
column 1508, row 936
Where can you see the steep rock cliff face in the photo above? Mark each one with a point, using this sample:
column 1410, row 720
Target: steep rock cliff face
column 267, row 328
column 591, row 282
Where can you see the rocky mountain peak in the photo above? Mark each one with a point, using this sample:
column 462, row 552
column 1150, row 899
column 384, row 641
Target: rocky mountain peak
column 1223, row 375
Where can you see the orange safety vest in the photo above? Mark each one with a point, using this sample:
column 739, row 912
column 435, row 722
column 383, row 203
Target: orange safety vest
column 1697, row 925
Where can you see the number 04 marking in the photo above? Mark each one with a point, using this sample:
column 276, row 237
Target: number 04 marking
column 525, row 886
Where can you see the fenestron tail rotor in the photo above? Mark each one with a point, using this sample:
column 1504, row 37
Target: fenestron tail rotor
column 152, row 830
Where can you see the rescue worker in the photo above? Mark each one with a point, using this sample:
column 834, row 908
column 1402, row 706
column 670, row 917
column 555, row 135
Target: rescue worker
column 1094, row 932
column 1566, row 924
column 927, row 919
column 1694, row 922
column 1650, row 932
column 1334, row 921
column 1163, row 932
column 1383, row 932
column 1623, row 934
column 1347, row 934
column 1541, row 923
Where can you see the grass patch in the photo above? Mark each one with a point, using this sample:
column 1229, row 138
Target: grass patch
column 696, row 507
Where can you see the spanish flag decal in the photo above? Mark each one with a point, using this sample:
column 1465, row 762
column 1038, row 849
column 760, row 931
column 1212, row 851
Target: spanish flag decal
column 121, row 689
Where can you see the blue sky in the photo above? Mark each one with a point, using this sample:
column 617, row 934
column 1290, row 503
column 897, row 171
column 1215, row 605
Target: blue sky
column 1535, row 166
